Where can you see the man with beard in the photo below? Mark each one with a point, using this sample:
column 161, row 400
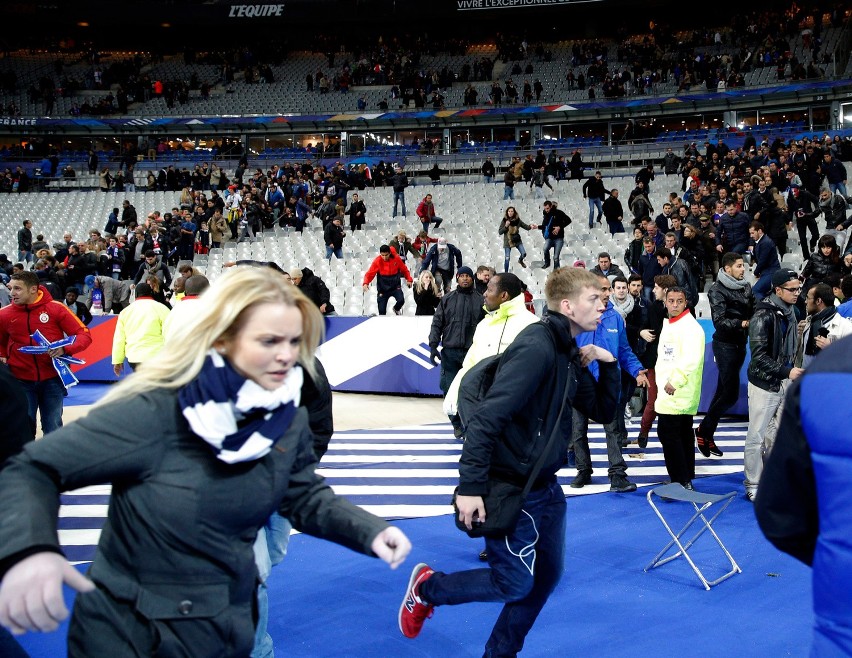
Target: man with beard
column 823, row 325
column 453, row 326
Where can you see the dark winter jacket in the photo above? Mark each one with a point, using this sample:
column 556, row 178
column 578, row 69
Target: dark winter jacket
column 729, row 308
column 552, row 219
column 315, row 289
column 430, row 262
column 178, row 541
column 733, row 231
column 399, row 182
column 456, row 318
column 513, row 424
column 820, row 266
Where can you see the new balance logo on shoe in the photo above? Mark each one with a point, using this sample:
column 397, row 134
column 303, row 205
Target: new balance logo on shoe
column 413, row 611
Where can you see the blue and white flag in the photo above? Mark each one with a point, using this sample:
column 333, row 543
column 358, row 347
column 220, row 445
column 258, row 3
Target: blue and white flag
column 60, row 363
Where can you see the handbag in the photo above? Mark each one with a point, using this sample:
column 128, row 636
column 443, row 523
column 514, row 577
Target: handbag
column 504, row 501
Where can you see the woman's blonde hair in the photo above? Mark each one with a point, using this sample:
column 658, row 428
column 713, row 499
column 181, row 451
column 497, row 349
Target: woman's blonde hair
column 421, row 286
column 220, row 314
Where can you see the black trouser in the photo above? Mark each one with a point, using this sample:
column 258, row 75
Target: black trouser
column 729, row 361
column 803, row 225
column 677, row 439
column 451, row 362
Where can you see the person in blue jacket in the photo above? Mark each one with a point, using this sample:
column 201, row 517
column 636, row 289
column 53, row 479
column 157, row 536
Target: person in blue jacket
column 442, row 259
column 610, row 335
column 803, row 506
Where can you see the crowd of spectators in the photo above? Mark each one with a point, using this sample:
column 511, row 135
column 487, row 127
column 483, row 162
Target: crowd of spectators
column 621, row 64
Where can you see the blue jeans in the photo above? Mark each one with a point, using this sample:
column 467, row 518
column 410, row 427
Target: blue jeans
column 397, row 197
column 488, row 179
column 594, row 203
column 648, row 294
column 45, row 397
column 838, row 187
column 270, row 547
column 337, row 252
column 25, row 256
column 524, row 568
column 507, row 252
column 436, row 221
column 508, row 192
column 382, row 299
column 556, row 245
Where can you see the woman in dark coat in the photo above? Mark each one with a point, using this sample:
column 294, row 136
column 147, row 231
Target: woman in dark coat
column 576, row 166
column 825, row 260
column 201, row 444
column 427, row 294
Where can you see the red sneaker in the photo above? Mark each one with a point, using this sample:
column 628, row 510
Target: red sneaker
column 413, row 611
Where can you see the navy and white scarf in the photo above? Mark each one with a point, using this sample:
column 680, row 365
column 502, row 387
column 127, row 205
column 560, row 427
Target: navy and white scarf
column 240, row 419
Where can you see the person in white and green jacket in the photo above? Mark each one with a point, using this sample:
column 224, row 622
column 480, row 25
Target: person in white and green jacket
column 680, row 363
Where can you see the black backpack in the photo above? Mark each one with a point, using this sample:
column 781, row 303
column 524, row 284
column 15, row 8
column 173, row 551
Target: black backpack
column 477, row 381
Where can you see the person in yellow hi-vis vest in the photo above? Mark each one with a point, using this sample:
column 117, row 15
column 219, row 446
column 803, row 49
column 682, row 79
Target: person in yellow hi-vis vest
column 680, row 365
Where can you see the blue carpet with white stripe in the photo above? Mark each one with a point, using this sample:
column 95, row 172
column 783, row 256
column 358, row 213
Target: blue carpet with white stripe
column 326, row 601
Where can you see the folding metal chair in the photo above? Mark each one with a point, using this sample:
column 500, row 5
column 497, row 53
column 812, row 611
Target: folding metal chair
column 701, row 502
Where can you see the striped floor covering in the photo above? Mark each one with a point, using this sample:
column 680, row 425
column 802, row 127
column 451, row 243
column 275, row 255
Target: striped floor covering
column 410, row 472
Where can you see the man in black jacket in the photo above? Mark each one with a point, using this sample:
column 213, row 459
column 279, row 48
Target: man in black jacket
column 594, row 191
column 540, row 380
column 129, row 218
column 804, row 206
column 399, row 181
column 333, row 235
column 773, row 338
column 25, row 242
column 731, row 305
column 552, row 227
column 753, row 203
column 314, row 289
column 453, row 326
column 357, row 213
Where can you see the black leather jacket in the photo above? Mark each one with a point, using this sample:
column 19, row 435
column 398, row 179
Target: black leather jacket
column 766, row 339
column 729, row 308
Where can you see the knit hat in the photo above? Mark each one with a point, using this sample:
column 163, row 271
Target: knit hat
column 464, row 269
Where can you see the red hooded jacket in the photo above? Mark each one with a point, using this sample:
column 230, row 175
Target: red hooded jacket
column 53, row 320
